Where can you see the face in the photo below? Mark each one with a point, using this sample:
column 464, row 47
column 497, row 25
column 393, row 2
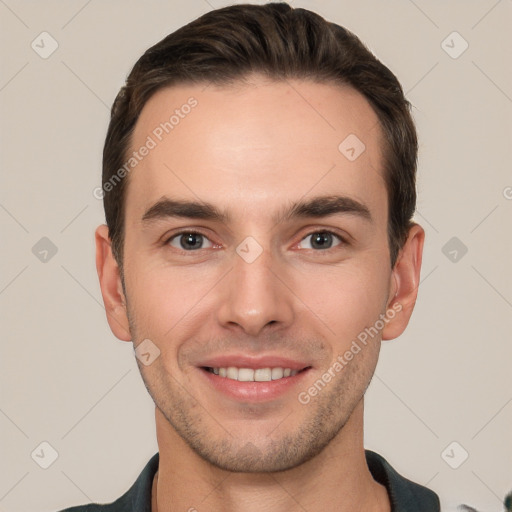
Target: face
column 256, row 249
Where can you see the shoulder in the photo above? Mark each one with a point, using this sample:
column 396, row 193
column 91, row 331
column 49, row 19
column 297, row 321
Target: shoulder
column 404, row 494
column 92, row 507
column 136, row 499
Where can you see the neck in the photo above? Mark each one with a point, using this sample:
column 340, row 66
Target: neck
column 337, row 479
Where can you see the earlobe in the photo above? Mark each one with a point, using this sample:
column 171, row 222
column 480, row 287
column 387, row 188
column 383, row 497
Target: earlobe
column 111, row 286
column 406, row 275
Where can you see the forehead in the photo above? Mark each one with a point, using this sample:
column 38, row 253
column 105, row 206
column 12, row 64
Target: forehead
column 244, row 145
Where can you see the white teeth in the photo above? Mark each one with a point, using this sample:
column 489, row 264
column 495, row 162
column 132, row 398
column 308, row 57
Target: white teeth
column 232, row 373
column 262, row 374
column 245, row 374
column 258, row 375
column 277, row 373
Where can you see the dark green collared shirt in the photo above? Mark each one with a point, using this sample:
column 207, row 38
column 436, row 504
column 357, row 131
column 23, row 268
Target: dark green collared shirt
column 404, row 495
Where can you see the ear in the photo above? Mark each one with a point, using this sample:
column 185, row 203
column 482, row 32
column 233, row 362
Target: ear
column 405, row 279
column 111, row 286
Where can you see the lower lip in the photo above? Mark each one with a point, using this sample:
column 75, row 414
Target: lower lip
column 253, row 391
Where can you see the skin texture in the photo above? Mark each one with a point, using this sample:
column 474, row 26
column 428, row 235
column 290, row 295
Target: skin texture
column 251, row 150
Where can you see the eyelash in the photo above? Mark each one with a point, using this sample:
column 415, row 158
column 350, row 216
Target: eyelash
column 341, row 239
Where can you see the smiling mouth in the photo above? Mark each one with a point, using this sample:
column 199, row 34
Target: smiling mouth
column 254, row 375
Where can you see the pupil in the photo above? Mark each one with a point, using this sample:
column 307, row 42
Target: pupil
column 191, row 241
column 321, row 240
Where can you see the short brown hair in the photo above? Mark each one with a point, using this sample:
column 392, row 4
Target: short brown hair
column 279, row 42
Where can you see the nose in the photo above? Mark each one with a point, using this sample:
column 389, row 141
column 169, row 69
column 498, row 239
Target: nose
column 254, row 296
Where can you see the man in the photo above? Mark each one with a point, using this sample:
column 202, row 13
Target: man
column 259, row 185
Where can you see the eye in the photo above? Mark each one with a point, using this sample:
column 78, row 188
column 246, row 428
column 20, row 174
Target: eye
column 189, row 241
column 321, row 240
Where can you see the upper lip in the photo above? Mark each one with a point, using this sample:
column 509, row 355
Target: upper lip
column 245, row 361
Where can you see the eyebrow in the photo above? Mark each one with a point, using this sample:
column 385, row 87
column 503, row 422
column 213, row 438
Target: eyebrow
column 317, row 207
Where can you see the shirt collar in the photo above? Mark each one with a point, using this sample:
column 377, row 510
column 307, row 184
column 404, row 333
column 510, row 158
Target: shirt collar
column 404, row 495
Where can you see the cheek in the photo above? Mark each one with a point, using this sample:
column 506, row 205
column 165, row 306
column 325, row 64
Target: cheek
column 165, row 299
column 347, row 300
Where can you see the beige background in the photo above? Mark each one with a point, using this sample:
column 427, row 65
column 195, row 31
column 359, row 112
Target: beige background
column 66, row 380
